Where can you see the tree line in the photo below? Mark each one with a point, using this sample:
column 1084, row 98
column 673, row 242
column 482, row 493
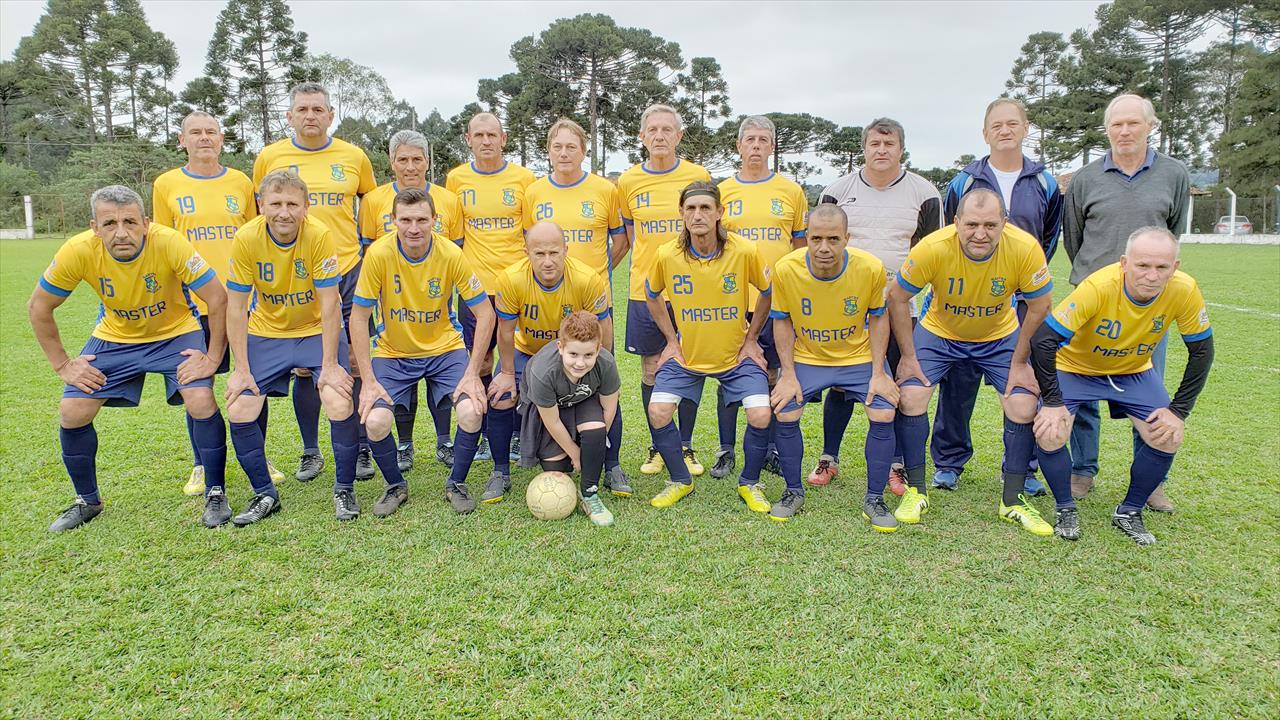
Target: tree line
column 88, row 97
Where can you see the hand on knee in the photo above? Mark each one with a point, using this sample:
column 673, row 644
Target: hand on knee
column 793, row 416
column 914, row 400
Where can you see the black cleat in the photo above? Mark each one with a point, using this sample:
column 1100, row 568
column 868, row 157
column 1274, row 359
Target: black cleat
column 515, row 449
column 364, row 464
column 391, row 500
column 345, row 505
column 444, row 454
column 260, row 507
column 1130, row 524
column 1066, row 524
column 404, row 457
column 459, row 496
column 73, row 517
column 726, row 462
column 309, row 466
column 772, row 464
column 217, row 511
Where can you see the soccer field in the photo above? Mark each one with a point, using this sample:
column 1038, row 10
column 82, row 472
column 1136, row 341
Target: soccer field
column 701, row 610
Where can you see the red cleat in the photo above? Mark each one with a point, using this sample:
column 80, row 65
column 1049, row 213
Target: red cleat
column 897, row 479
column 825, row 472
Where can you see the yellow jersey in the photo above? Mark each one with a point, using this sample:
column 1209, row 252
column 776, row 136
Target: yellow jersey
column 207, row 210
column 492, row 210
column 972, row 301
column 709, row 297
column 1112, row 334
column 651, row 208
column 412, row 296
column 587, row 211
column 285, row 277
column 769, row 212
column 336, row 175
column 375, row 213
column 146, row 298
column 539, row 310
column 830, row 315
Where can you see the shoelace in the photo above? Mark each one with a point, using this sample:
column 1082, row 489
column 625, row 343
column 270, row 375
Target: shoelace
column 461, row 491
column 1028, row 509
column 258, row 506
column 595, row 504
column 823, row 465
column 345, row 500
column 877, row 505
column 790, row 499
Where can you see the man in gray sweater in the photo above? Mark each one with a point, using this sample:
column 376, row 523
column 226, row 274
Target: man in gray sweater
column 1129, row 187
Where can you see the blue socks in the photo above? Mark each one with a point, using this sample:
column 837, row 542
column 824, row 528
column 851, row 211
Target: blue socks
column 384, row 453
column 687, row 412
column 837, row 409
column 755, row 443
column 726, row 420
column 361, row 438
column 1149, row 469
column 912, row 432
column 464, row 453
column 614, row 442
column 440, row 416
column 790, row 453
column 1056, row 467
column 306, row 408
column 667, row 440
column 878, row 452
column 79, row 454
column 191, row 435
column 247, row 439
column 210, row 435
column 501, row 426
column 344, row 435
column 1019, row 443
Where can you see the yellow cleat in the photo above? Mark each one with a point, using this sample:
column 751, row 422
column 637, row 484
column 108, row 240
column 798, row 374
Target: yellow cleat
column 1027, row 516
column 691, row 462
column 913, row 505
column 654, row 464
column 195, row 483
column 276, row 476
column 753, row 496
column 673, row 493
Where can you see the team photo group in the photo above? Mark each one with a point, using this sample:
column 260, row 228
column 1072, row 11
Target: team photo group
column 490, row 299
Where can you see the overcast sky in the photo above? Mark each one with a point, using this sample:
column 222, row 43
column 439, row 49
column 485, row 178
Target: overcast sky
column 933, row 66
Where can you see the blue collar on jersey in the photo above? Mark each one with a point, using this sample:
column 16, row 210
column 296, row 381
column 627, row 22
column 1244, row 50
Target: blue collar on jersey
column 738, row 177
column 1129, row 297
column 575, row 183
column 843, row 267
column 431, row 243
column 396, row 186
column 555, row 287
column 283, row 246
column 327, row 143
column 481, row 172
column 694, row 252
column 194, row 176
column 645, row 167
column 131, row 258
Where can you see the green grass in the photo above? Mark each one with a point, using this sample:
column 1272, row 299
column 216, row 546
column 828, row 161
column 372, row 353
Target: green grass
column 700, row 611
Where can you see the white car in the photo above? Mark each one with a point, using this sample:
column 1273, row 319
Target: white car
column 1223, row 226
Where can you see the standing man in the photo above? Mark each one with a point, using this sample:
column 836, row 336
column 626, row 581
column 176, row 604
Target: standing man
column 890, row 209
column 769, row 210
column 141, row 272
column 410, row 160
column 1032, row 200
column 1129, row 187
column 1097, row 345
column 491, row 191
column 651, row 214
column 588, row 210
column 337, row 173
column 206, row 202
column 831, row 331
column 289, row 265
column 533, row 298
column 706, row 272
column 409, row 275
column 974, row 267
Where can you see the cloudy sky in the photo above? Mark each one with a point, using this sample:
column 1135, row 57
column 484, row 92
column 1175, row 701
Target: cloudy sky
column 931, row 65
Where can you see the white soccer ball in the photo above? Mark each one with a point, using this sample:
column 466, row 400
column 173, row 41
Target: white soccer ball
column 551, row 496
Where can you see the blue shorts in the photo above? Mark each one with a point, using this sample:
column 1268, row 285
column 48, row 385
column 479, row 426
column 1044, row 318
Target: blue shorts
column 853, row 380
column 126, row 366
column 767, row 345
column 743, row 381
column 936, row 356
column 398, row 376
column 225, row 365
column 643, row 335
column 468, row 320
column 1137, row 395
column 347, row 289
column 272, row 360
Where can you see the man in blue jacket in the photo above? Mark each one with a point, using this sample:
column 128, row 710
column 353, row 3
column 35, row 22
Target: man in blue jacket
column 1031, row 197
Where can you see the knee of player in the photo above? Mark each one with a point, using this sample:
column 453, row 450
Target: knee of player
column 468, row 414
column 77, row 412
column 758, row 417
column 245, row 408
column 1166, row 444
column 1020, row 408
column 378, row 423
column 880, row 415
column 588, row 426
column 199, row 402
column 660, row 413
column 793, row 416
column 1052, row 441
column 335, row 405
column 914, row 399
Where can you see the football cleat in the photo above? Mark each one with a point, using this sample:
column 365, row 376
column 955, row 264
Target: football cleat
column 787, row 506
column 654, row 464
column 877, row 513
column 260, row 507
column 459, row 497
column 496, row 489
column 1131, row 524
column 673, row 493
column 593, row 507
column 73, row 517
column 1027, row 516
column 617, row 482
column 1066, row 523
column 914, row 504
column 195, row 483
column 404, row 457
column 897, row 479
column 825, row 471
column 691, row 462
column 364, row 463
column 946, row 479
column 726, row 462
column 217, row 511
column 309, row 466
column 753, row 496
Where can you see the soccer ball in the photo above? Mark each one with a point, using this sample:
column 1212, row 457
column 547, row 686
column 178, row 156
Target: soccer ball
column 551, row 496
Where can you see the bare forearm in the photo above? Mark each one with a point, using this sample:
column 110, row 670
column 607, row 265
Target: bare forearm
column 900, row 323
column 658, row 311
column 238, row 328
column 784, row 339
column 606, row 332
column 759, row 316
column 879, row 341
column 331, row 326
column 360, row 341
column 46, row 331
column 217, row 314
column 1036, row 312
column 507, row 345
column 610, row 405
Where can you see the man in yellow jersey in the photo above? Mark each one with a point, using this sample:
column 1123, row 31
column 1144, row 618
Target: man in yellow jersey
column 337, row 173
column 831, row 331
column 289, row 265
column 705, row 272
column 587, row 208
column 206, row 202
column 141, row 273
column 650, row 194
column 409, row 275
column 768, row 209
column 1098, row 345
column 491, row 191
column 974, row 267
column 410, row 160
column 533, row 297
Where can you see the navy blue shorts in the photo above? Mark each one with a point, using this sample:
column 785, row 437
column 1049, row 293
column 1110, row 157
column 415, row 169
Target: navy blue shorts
column 745, row 380
column 224, row 366
column 347, row 289
column 272, row 360
column 126, row 366
column 643, row 335
column 1137, row 395
column 468, row 320
column 853, row 380
column 936, row 356
column 398, row 376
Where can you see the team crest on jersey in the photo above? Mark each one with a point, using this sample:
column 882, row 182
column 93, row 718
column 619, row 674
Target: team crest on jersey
column 233, row 205
column 153, row 285
column 851, row 306
column 1157, row 324
column 776, row 207
column 300, row 269
column 566, row 311
column 588, row 209
column 730, row 281
column 433, row 287
column 508, row 197
column 997, row 286
column 439, row 226
column 337, row 172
